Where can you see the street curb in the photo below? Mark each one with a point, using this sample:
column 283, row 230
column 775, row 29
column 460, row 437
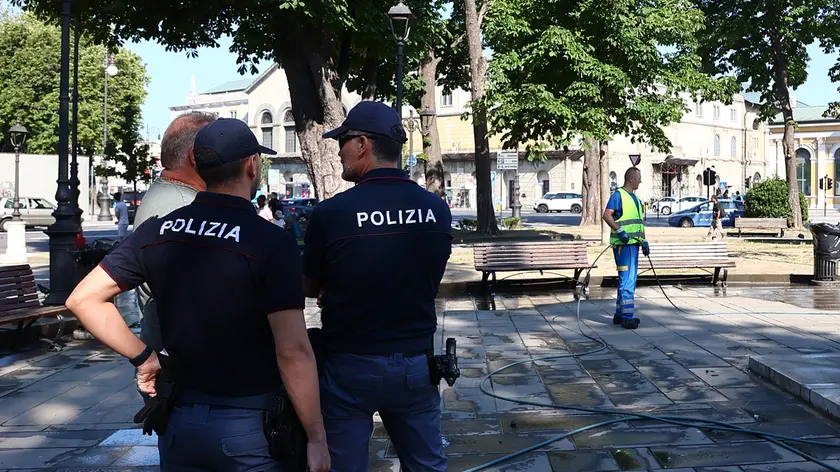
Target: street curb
column 823, row 396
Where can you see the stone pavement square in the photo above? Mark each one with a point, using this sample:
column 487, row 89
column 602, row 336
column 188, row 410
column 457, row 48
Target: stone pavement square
column 73, row 410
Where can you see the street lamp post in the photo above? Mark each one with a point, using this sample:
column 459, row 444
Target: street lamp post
column 410, row 126
column 64, row 231
column 400, row 17
column 16, row 228
column 105, row 200
column 74, row 158
column 17, row 134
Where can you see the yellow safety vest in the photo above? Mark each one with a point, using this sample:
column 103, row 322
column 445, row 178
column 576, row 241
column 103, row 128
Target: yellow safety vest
column 632, row 219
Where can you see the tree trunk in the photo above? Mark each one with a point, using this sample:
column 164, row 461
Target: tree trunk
column 370, row 73
column 317, row 109
column 604, row 157
column 429, row 129
column 478, row 66
column 591, row 188
column 780, row 71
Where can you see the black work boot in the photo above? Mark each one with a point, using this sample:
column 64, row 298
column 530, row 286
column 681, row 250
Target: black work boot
column 617, row 319
column 630, row 324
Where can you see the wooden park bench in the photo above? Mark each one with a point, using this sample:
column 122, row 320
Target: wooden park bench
column 529, row 256
column 19, row 302
column 690, row 255
column 773, row 224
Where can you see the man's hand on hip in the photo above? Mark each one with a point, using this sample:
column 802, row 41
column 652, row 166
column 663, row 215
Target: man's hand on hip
column 623, row 236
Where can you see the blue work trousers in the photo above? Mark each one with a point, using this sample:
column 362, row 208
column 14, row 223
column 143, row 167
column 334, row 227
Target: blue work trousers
column 204, row 438
column 627, row 263
column 354, row 387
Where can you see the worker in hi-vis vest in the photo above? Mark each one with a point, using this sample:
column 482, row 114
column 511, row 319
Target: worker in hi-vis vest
column 625, row 217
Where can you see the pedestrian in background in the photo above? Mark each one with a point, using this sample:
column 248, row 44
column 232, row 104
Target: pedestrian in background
column 718, row 213
column 121, row 210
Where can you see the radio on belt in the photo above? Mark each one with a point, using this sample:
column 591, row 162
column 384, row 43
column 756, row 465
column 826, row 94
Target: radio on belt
column 445, row 366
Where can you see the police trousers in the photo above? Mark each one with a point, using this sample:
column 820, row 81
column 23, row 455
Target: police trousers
column 627, row 263
column 354, row 387
column 207, row 438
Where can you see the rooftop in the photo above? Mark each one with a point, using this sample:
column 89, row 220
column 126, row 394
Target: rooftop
column 806, row 114
column 232, row 86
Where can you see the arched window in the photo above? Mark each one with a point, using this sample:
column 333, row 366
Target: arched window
column 266, row 124
column 717, row 146
column 733, row 151
column 756, row 178
column 803, row 170
column 543, row 183
column 699, row 185
column 290, row 135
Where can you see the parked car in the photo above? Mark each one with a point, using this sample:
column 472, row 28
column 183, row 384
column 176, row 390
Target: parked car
column 300, row 206
column 669, row 205
column 559, row 201
column 35, row 211
column 701, row 215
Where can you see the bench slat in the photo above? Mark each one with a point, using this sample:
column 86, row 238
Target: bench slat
column 30, row 313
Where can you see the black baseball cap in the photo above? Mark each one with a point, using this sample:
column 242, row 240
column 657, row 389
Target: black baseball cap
column 374, row 118
column 225, row 140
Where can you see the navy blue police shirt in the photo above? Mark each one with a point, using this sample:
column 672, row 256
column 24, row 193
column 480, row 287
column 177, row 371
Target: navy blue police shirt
column 216, row 270
column 379, row 250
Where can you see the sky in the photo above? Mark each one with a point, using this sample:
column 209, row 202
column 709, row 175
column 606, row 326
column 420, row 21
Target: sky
column 171, row 72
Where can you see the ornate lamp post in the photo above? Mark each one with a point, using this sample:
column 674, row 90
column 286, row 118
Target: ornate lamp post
column 16, row 228
column 64, row 231
column 17, row 135
column 400, row 17
column 104, row 199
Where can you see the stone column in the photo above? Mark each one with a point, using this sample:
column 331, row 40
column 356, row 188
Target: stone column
column 820, row 172
column 567, row 173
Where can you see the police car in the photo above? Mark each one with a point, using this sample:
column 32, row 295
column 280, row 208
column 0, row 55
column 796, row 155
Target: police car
column 701, row 215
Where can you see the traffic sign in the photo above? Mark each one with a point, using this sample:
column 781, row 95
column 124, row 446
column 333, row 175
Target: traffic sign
column 635, row 159
column 492, row 176
column 412, row 161
column 507, row 160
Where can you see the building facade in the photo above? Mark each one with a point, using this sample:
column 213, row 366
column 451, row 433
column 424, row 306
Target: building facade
column 728, row 138
column 817, row 145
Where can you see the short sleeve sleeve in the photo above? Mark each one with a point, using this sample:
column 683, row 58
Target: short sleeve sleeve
column 123, row 264
column 614, row 203
column 315, row 248
column 282, row 284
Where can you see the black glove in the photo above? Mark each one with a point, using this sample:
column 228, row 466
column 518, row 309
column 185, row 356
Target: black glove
column 645, row 248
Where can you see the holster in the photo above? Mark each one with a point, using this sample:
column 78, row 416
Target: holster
column 155, row 413
column 284, row 432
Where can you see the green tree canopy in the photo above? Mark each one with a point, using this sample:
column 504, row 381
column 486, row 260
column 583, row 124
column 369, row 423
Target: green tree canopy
column 563, row 70
column 29, row 88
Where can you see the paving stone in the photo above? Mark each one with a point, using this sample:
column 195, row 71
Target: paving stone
column 30, row 458
column 721, row 455
column 620, row 435
column 139, row 456
column 515, row 423
column 582, row 461
column 639, row 400
column 50, row 439
column 789, row 467
column 694, row 393
column 826, row 400
column 46, row 414
column 502, row 443
column 724, row 377
column 93, row 457
column 624, row 382
column 633, row 459
column 669, row 374
column 531, row 462
column 517, row 386
column 758, row 394
column 470, row 400
column 815, row 429
column 581, row 395
column 129, row 437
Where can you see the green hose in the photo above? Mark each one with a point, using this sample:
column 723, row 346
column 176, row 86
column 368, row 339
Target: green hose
column 699, row 423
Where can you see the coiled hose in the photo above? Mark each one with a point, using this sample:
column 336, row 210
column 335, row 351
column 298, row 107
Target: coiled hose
column 700, row 423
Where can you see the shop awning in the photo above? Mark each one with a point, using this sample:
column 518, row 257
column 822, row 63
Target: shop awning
column 675, row 161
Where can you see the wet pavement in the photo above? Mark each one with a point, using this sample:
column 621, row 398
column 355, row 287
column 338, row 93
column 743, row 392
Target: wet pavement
column 72, row 410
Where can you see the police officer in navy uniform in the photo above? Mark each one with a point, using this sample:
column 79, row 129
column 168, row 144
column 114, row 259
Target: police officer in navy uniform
column 231, row 318
column 375, row 254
